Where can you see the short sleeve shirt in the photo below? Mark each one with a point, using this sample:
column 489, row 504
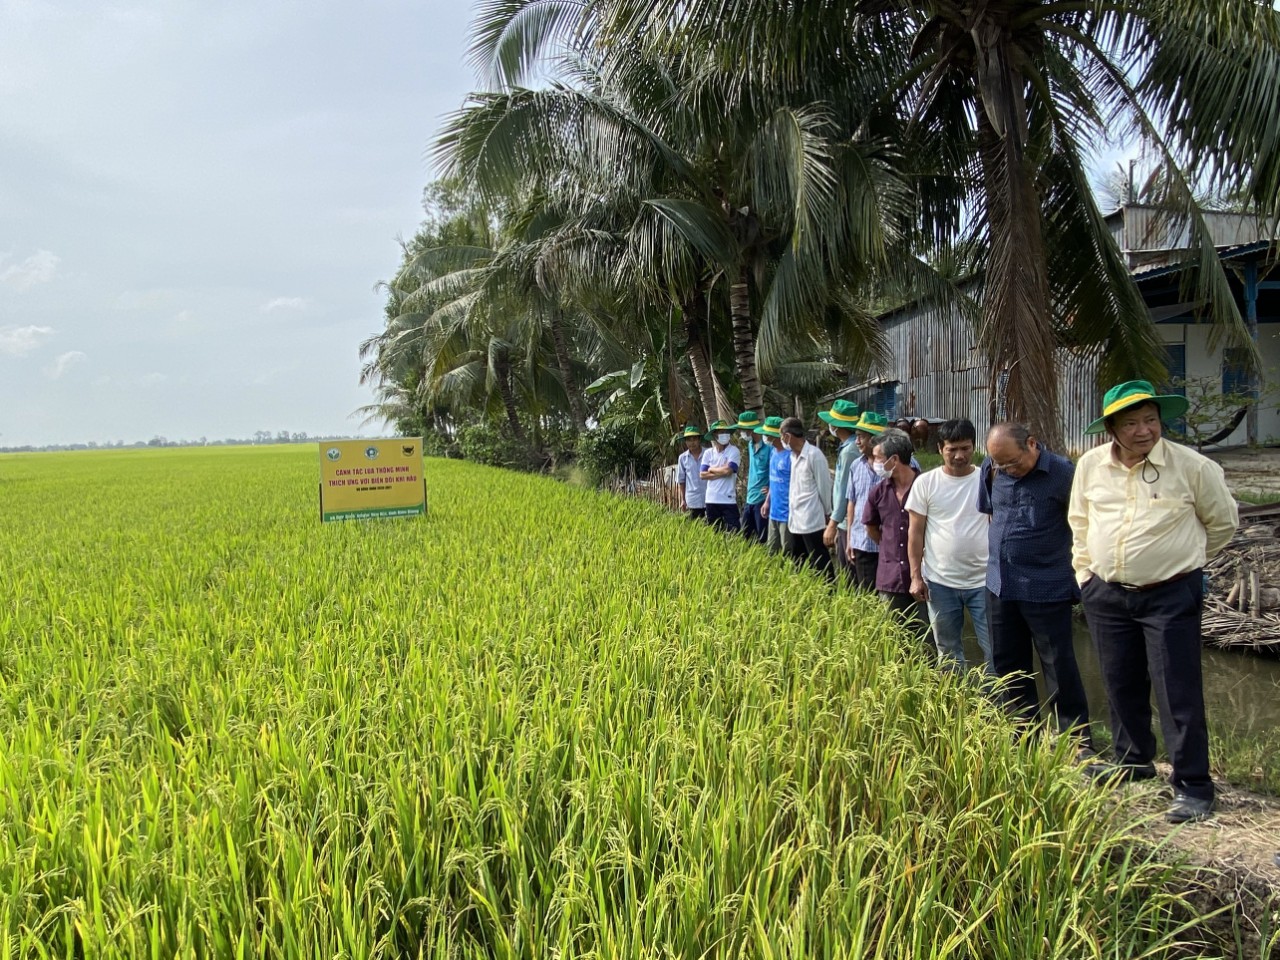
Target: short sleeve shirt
column 722, row 490
column 695, row 488
column 893, row 572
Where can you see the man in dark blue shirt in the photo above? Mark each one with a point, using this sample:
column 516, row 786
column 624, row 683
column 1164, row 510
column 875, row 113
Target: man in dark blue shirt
column 1031, row 587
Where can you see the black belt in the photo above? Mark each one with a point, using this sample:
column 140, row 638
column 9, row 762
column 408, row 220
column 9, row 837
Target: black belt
column 1144, row 587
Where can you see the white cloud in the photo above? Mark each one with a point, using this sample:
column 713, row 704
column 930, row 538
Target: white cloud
column 184, row 316
column 64, row 362
column 285, row 303
column 19, row 341
column 37, row 268
column 152, row 379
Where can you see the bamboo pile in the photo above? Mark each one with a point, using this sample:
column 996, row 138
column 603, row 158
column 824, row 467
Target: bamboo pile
column 1242, row 608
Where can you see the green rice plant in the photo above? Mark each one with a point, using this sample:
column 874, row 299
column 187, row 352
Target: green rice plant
column 539, row 722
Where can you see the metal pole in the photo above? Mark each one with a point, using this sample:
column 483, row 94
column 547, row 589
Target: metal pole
column 1251, row 321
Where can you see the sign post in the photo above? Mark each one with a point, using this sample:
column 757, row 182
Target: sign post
column 364, row 479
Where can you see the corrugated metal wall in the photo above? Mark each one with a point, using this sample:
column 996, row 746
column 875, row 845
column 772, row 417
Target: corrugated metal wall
column 940, row 374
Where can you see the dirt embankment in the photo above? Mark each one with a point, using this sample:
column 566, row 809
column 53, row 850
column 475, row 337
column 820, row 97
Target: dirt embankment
column 1234, row 853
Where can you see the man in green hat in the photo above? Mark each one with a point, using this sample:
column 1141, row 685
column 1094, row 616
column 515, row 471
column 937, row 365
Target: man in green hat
column 841, row 420
column 720, row 463
column 755, row 525
column 693, row 489
column 777, row 502
column 1145, row 516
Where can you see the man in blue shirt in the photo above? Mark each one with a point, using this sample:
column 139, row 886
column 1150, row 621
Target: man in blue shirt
column 1026, row 489
column 693, row 489
column 755, row 524
column 777, row 497
column 842, row 419
column 862, row 552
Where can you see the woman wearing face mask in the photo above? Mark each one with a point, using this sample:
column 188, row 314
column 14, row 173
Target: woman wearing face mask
column 720, row 465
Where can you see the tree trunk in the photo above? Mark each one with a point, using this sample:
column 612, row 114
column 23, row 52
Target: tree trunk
column 703, row 377
column 563, row 362
column 1017, row 332
column 502, row 373
column 744, row 342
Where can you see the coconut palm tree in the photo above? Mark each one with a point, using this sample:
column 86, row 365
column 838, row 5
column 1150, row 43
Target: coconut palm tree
column 775, row 203
column 1001, row 102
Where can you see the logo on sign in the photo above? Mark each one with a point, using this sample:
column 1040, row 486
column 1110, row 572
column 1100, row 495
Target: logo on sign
column 333, row 453
column 371, row 453
column 408, row 449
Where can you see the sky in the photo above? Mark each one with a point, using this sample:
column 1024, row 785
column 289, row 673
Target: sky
column 197, row 201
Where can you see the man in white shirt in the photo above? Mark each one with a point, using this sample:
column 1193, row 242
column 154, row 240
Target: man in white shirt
column 947, row 545
column 693, row 489
column 809, row 508
column 720, row 465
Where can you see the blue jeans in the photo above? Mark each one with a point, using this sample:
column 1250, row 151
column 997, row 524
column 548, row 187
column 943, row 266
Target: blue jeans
column 946, row 613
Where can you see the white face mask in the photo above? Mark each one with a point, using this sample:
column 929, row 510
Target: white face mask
column 748, row 436
column 723, row 439
column 881, row 470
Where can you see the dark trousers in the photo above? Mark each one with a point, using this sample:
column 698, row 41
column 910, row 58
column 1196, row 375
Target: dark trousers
column 912, row 613
column 697, row 513
column 755, row 525
column 865, row 563
column 1020, row 628
column 723, row 516
column 809, row 548
column 1152, row 638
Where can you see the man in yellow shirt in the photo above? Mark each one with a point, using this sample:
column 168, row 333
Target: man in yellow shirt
column 1145, row 516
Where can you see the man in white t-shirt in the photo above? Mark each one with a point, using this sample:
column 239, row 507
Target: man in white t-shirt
column 693, row 489
column 947, row 545
column 720, row 463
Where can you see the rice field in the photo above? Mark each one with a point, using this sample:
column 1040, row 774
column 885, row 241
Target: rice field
column 540, row 722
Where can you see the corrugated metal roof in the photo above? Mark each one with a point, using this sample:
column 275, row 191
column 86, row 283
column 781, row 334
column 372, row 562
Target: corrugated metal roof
column 1224, row 253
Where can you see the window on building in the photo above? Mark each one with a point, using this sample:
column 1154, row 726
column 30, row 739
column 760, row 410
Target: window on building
column 1235, row 370
column 885, row 399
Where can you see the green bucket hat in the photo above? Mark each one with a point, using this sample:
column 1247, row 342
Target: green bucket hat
column 1130, row 394
column 690, row 431
column 843, row 413
column 748, row 420
column 716, row 427
column 772, row 427
column 874, row 423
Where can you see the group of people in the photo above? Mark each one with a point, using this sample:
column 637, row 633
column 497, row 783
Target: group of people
column 1016, row 542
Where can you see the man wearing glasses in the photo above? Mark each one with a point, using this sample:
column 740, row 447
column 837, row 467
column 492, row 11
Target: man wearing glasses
column 1031, row 586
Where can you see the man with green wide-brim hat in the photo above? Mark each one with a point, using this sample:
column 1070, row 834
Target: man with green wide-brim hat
column 777, row 501
column 1132, row 393
column 1146, row 515
column 693, row 489
column 720, row 463
column 862, row 553
column 755, row 525
column 842, row 419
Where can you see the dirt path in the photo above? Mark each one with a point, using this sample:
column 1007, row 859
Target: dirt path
column 1251, row 470
column 1235, row 852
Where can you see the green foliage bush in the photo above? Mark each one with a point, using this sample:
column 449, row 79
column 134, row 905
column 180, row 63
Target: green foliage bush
column 612, row 451
column 489, row 444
